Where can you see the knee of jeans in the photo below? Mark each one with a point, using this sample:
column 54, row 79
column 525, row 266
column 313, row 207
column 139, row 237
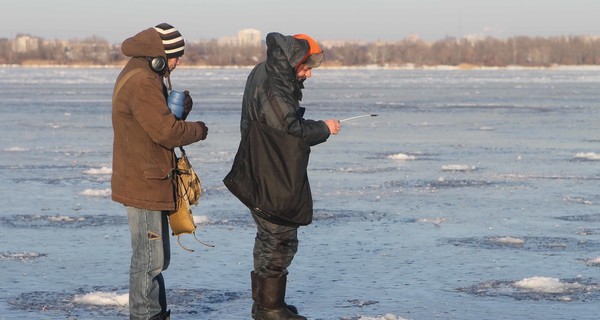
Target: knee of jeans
column 153, row 235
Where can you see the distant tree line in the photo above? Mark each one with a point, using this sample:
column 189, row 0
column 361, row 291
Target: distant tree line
column 522, row 50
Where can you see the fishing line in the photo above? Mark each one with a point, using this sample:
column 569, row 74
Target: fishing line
column 361, row 116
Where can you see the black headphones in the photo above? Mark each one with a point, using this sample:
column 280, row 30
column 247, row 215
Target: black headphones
column 157, row 64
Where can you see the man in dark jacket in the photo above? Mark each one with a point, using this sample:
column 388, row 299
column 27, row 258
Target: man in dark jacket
column 272, row 96
column 145, row 135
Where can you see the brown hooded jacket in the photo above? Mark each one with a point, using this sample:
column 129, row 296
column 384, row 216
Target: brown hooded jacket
column 145, row 131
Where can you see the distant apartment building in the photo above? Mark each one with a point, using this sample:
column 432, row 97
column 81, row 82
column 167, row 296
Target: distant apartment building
column 244, row 38
column 249, row 38
column 25, row 43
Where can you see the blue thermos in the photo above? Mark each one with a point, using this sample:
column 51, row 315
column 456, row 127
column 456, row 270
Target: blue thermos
column 175, row 103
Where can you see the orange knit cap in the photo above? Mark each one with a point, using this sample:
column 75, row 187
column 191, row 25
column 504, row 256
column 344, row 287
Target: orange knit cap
column 314, row 57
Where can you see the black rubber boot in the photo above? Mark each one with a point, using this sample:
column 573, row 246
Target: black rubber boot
column 254, row 284
column 165, row 315
column 254, row 293
column 271, row 300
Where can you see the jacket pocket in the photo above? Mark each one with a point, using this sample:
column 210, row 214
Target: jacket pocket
column 158, row 173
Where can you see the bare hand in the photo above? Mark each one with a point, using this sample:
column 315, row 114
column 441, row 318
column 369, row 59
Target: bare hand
column 333, row 125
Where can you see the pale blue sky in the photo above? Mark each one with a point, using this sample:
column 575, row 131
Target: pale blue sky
column 367, row 20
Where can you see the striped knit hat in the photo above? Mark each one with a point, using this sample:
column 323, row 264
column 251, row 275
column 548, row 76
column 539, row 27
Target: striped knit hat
column 171, row 39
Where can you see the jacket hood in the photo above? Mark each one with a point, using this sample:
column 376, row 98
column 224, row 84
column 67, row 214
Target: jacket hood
column 146, row 43
column 285, row 51
column 283, row 54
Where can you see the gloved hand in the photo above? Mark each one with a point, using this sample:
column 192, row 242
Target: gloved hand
column 204, row 130
column 187, row 104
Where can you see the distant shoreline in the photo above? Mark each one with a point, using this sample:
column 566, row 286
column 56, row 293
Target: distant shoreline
column 363, row 67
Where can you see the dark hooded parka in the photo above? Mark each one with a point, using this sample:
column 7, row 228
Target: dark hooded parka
column 273, row 93
column 272, row 97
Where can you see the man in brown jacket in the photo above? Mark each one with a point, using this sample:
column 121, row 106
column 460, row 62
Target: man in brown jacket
column 145, row 135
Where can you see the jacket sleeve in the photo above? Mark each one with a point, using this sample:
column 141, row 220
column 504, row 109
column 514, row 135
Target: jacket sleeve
column 151, row 111
column 312, row 132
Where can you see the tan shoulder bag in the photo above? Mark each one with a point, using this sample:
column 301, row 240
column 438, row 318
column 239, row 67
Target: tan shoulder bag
column 189, row 189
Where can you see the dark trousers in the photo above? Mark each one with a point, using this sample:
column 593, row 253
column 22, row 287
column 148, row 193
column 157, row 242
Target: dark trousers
column 274, row 248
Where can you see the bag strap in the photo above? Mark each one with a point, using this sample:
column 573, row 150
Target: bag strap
column 122, row 81
column 183, row 155
column 198, row 240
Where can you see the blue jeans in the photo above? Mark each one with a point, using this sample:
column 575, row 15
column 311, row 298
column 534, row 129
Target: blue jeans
column 151, row 255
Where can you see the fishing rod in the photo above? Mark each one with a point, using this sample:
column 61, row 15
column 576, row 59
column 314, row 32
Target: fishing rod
column 356, row 117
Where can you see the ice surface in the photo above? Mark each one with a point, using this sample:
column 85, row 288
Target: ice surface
column 473, row 194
